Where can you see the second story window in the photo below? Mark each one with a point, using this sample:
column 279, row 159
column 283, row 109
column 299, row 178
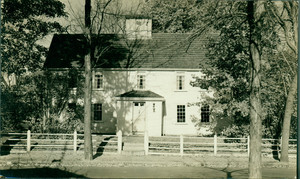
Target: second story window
column 98, row 81
column 180, row 82
column 141, row 82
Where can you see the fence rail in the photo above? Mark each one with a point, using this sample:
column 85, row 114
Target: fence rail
column 166, row 145
column 45, row 141
column 185, row 145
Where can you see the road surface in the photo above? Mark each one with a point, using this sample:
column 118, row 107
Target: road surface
column 144, row 172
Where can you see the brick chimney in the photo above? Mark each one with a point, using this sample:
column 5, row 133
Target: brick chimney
column 138, row 28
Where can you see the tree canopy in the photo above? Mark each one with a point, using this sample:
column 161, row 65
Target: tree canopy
column 24, row 22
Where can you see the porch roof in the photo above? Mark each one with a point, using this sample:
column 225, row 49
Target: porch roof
column 140, row 94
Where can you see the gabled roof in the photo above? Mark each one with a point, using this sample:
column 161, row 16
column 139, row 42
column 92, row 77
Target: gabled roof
column 163, row 50
column 140, row 93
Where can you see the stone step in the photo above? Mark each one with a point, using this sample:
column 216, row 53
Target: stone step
column 133, row 139
column 133, row 152
column 133, row 147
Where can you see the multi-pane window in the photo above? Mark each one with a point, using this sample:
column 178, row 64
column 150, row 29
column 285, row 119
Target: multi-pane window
column 205, row 113
column 141, row 81
column 180, row 113
column 98, row 81
column 72, row 81
column 180, row 82
column 97, row 108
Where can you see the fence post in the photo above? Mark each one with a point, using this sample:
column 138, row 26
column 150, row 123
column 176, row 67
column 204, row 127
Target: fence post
column 181, row 145
column 75, row 141
column 248, row 145
column 146, row 142
column 215, row 144
column 119, row 135
column 28, row 141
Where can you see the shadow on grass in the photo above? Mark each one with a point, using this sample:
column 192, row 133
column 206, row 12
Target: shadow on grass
column 239, row 172
column 101, row 147
column 275, row 148
column 7, row 146
column 242, row 172
column 39, row 173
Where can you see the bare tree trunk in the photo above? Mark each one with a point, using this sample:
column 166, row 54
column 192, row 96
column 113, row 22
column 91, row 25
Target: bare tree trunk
column 255, row 161
column 88, row 149
column 88, row 145
column 287, row 120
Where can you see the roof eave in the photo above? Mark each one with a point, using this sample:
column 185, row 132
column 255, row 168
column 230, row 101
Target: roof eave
column 139, row 99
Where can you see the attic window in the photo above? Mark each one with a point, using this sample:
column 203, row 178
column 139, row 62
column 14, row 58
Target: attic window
column 141, row 79
column 180, row 82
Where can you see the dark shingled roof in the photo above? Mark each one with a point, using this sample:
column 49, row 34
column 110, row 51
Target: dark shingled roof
column 137, row 93
column 163, row 50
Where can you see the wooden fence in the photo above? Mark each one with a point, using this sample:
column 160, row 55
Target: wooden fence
column 188, row 145
column 164, row 145
column 45, row 141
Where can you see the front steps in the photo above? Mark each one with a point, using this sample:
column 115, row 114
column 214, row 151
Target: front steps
column 133, row 149
column 133, row 145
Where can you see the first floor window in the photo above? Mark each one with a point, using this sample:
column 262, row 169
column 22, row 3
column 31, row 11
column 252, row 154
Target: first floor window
column 72, row 79
column 97, row 108
column 205, row 113
column 98, row 81
column 180, row 113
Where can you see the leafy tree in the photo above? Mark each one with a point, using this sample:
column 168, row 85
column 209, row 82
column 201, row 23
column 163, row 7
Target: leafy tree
column 285, row 14
column 238, row 68
column 24, row 22
column 178, row 16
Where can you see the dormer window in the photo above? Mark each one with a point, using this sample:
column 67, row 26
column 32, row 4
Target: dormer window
column 180, row 82
column 98, row 81
column 141, row 82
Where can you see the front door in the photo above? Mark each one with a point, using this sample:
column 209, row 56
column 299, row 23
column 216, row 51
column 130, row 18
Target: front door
column 139, row 115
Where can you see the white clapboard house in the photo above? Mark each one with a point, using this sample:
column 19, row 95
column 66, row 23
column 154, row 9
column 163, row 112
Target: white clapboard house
column 141, row 80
